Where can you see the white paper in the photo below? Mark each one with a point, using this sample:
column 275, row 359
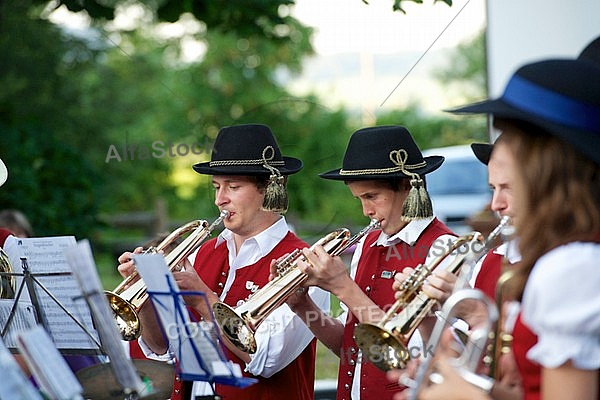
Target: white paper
column 15, row 386
column 23, row 319
column 84, row 268
column 194, row 344
column 49, row 368
column 46, row 259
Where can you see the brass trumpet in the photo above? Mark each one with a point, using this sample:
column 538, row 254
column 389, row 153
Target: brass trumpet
column 474, row 347
column 390, row 336
column 239, row 324
column 129, row 296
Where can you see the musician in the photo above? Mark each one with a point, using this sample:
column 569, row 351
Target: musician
column 249, row 175
column 548, row 116
column 383, row 168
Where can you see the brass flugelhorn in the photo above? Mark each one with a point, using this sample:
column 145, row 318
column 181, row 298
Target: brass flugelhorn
column 131, row 294
column 385, row 343
column 7, row 280
column 474, row 346
column 239, row 324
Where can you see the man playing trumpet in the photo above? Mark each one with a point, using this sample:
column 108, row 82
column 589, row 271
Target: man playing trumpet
column 249, row 175
column 384, row 169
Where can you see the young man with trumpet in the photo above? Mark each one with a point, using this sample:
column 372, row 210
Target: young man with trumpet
column 249, row 175
column 548, row 115
column 383, row 168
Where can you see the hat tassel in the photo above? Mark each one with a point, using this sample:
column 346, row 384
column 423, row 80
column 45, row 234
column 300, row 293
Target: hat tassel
column 276, row 197
column 418, row 203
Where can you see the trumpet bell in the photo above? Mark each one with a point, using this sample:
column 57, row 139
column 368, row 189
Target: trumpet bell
column 238, row 329
column 126, row 316
column 386, row 351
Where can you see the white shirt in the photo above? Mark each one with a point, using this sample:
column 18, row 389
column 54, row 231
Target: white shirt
column 409, row 234
column 282, row 336
column 561, row 305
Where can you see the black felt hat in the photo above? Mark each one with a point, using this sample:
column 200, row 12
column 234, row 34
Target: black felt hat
column 482, row 151
column 591, row 52
column 249, row 149
column 383, row 152
column 560, row 96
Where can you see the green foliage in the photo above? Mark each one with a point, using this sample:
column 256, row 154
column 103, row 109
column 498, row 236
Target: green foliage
column 398, row 4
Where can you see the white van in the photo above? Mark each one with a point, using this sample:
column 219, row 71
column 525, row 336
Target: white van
column 459, row 188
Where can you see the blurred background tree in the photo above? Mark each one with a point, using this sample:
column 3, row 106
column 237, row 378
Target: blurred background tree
column 98, row 126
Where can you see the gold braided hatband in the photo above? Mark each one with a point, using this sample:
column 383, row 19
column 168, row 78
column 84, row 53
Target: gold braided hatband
column 266, row 160
column 398, row 157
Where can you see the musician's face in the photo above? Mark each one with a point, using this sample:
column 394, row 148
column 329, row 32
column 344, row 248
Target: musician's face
column 381, row 202
column 501, row 177
column 240, row 196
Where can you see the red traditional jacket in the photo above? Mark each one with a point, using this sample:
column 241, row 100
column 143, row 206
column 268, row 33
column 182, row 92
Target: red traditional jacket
column 295, row 381
column 374, row 275
column 488, row 275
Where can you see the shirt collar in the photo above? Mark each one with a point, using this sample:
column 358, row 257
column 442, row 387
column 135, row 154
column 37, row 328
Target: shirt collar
column 265, row 241
column 409, row 234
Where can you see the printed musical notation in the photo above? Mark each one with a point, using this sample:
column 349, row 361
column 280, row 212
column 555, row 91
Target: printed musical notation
column 57, row 291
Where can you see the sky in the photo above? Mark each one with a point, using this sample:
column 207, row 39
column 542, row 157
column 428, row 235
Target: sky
column 394, row 53
column 352, row 26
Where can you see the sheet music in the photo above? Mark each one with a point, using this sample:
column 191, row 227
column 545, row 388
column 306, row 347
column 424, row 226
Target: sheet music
column 15, row 385
column 84, row 268
column 183, row 334
column 23, row 319
column 48, row 367
column 45, row 256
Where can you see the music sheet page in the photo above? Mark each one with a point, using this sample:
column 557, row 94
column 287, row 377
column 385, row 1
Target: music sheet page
column 49, row 267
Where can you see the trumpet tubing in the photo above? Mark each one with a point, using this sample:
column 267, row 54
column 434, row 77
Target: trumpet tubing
column 390, row 336
column 467, row 362
column 130, row 295
column 239, row 324
column 385, row 343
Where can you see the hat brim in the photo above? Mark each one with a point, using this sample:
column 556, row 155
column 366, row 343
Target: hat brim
column 3, row 173
column 291, row 166
column 584, row 141
column 431, row 164
column 482, row 151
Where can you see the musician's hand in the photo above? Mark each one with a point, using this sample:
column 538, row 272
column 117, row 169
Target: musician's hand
column 126, row 266
column 508, row 371
column 399, row 278
column 439, row 285
column 453, row 386
column 189, row 281
column 327, row 272
column 404, row 377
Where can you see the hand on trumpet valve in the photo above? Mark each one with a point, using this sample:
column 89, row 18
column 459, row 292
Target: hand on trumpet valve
column 323, row 270
column 126, row 265
column 188, row 280
column 439, row 285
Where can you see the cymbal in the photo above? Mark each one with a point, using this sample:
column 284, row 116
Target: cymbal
column 100, row 383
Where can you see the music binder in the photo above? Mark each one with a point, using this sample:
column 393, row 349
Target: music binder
column 197, row 345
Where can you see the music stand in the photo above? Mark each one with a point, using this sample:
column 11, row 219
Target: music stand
column 30, row 281
column 200, row 338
